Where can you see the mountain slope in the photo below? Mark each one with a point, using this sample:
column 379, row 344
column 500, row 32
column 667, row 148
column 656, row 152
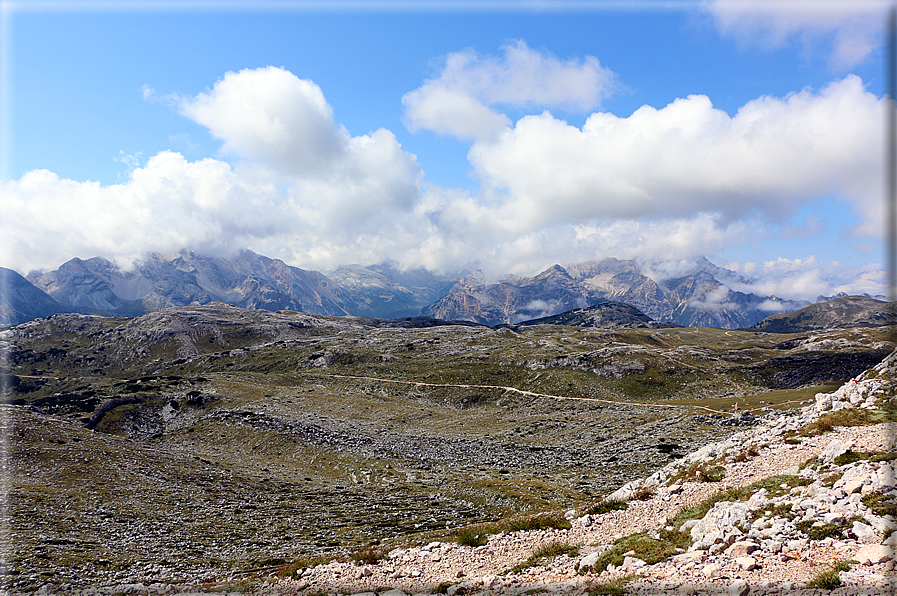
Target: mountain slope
column 608, row 315
column 510, row 301
column 248, row 280
column 383, row 291
column 850, row 311
column 20, row 301
column 691, row 294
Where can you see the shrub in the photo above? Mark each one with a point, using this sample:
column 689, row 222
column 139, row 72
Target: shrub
column 714, row 474
column 612, row 588
column 367, row 555
column 826, row 580
column 472, row 536
column 643, row 493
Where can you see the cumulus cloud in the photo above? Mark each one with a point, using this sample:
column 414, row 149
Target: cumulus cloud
column 688, row 157
column 460, row 101
column 853, row 29
column 273, row 116
column 662, row 186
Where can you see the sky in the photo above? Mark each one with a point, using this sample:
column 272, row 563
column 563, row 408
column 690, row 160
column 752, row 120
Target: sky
column 449, row 135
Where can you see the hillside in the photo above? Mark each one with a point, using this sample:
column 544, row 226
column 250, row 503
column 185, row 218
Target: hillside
column 608, row 315
column 295, row 434
column 847, row 311
column 802, row 504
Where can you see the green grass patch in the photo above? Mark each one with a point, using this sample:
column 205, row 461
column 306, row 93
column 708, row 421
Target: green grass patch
column 880, row 504
column 705, row 471
column 605, row 506
column 615, row 587
column 545, row 555
column 477, row 534
column 645, row 547
column 367, row 555
column 774, row 485
column 846, row 417
column 873, row 456
column 828, row 579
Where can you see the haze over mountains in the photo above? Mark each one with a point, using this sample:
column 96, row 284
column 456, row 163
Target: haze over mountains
column 705, row 297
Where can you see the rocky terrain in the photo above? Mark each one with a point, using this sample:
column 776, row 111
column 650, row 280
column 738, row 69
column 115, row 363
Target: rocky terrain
column 788, row 515
column 803, row 503
column 696, row 294
column 845, row 311
column 215, row 444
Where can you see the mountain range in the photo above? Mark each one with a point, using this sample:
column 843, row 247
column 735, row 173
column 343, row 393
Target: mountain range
column 704, row 297
column 699, row 299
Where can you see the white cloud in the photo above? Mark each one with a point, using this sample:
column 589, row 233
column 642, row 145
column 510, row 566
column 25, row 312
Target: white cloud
column 852, row 28
column 808, row 278
column 459, row 102
column 662, row 186
column 686, row 158
column 271, row 115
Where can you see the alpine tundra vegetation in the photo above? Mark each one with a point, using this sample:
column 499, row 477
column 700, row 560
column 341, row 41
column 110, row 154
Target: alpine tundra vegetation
column 218, row 446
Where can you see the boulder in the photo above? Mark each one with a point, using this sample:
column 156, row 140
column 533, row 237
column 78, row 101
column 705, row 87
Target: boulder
column 823, row 402
column 589, row 560
column 747, row 563
column 832, row 450
column 874, row 553
column 863, row 532
column 744, row 547
column 739, row 588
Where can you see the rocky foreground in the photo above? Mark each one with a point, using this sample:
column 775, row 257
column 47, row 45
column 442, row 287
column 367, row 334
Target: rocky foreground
column 825, row 528
column 800, row 504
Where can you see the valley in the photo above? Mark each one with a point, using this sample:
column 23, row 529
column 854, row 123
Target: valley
column 211, row 443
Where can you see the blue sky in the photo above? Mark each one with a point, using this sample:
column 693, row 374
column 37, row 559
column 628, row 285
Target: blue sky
column 436, row 135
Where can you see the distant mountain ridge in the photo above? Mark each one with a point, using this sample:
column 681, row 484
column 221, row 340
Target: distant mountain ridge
column 846, row 311
column 698, row 299
column 607, row 315
column 701, row 297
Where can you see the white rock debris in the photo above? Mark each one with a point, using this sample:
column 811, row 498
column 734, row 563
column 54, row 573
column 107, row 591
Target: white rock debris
column 771, row 543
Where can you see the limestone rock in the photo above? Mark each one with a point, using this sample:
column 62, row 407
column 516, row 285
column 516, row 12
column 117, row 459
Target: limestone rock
column 739, row 588
column 875, row 553
column 742, row 548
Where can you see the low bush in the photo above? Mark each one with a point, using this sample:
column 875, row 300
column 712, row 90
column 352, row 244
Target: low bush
column 828, row 579
column 471, row 536
column 367, row 555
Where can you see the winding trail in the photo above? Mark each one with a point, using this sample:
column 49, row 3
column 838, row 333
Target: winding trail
column 522, row 392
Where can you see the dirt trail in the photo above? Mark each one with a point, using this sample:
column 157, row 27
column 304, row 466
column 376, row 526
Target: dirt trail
column 524, row 392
